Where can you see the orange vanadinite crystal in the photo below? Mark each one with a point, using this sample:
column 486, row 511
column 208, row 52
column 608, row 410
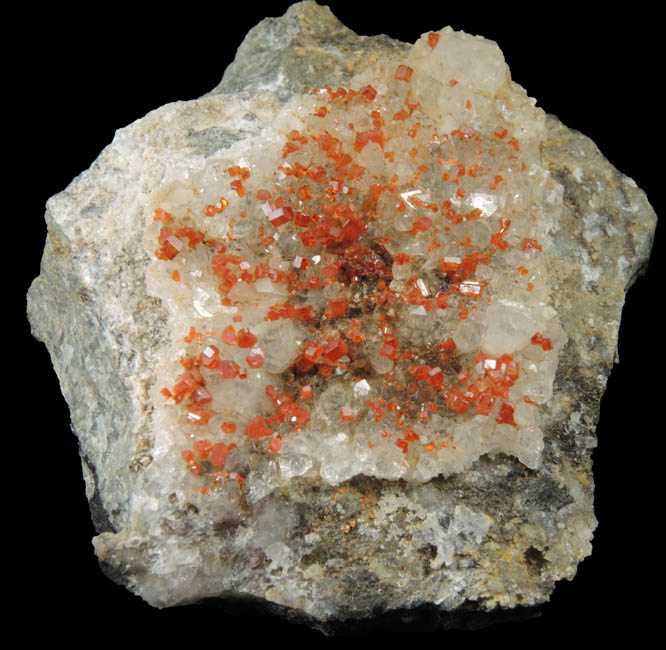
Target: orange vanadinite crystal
column 530, row 243
column 218, row 454
column 404, row 73
column 543, row 341
column 256, row 428
column 246, row 339
column 228, row 427
column 229, row 335
column 255, row 358
column 228, row 369
column 334, row 349
column 202, row 448
column 506, row 415
column 390, row 348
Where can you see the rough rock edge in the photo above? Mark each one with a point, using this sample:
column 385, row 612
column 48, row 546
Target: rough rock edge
column 63, row 305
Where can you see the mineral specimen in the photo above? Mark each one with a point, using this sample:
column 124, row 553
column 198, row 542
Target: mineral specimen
column 322, row 331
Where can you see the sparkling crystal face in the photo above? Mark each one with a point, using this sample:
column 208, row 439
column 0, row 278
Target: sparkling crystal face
column 365, row 290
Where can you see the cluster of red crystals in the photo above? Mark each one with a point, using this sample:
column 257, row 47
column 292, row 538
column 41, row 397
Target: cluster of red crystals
column 390, row 347
column 207, row 459
column 360, row 263
column 323, row 356
column 187, row 383
column 321, row 205
column 497, row 238
column 211, row 210
column 171, row 242
column 431, row 375
column 286, row 409
column 502, row 372
column 543, row 341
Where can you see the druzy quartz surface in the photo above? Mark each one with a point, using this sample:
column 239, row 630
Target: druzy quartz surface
column 334, row 335
column 363, row 291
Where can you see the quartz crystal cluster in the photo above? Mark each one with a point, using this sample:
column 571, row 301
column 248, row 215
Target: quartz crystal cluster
column 363, row 292
column 334, row 335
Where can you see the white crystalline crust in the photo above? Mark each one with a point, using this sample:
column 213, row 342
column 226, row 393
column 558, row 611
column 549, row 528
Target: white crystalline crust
column 470, row 117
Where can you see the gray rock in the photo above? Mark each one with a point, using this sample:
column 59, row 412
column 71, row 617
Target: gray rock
column 104, row 334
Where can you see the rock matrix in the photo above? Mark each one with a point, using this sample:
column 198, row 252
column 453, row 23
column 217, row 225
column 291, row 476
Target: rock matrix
column 320, row 331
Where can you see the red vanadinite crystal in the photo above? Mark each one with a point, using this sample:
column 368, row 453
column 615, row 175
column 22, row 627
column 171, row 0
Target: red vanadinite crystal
column 484, row 404
column 228, row 369
column 410, row 436
column 162, row 215
column 330, row 270
column 199, row 416
column 188, row 382
column 456, row 401
column 421, row 224
column 305, row 313
column 336, row 307
column 368, row 92
column 210, row 357
column 312, row 351
column 449, row 344
column 506, row 415
column 219, row 452
column 436, row 378
column 390, row 348
column 334, row 349
column 229, row 335
column 256, row 428
column 404, row 73
column 543, row 341
column 246, row 339
column 202, row 448
column 255, row 358
column 530, row 243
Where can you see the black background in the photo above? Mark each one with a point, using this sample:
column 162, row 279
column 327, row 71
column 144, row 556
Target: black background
column 599, row 72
